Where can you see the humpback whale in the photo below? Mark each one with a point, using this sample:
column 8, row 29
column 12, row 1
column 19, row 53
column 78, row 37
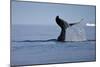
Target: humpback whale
column 63, row 25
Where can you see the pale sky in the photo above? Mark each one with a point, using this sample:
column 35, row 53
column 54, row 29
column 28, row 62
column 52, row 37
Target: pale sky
column 45, row 13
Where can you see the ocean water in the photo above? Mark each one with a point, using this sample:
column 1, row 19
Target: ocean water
column 36, row 44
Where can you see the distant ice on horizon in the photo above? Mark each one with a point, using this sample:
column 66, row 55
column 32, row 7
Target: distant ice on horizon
column 88, row 24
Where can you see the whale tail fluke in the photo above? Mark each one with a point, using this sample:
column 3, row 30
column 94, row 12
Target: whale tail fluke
column 71, row 24
column 64, row 24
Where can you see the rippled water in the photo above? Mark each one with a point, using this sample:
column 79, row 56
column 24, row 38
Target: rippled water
column 36, row 44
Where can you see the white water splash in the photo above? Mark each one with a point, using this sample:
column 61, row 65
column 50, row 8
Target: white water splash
column 76, row 33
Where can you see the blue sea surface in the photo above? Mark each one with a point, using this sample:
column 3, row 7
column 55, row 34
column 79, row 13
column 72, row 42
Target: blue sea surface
column 36, row 44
